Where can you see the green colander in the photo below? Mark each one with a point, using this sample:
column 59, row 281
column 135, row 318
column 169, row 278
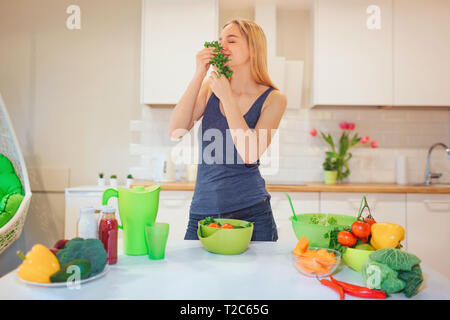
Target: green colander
column 316, row 233
column 225, row 241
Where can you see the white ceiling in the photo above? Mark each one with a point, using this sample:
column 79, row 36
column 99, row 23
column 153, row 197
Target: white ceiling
column 281, row 4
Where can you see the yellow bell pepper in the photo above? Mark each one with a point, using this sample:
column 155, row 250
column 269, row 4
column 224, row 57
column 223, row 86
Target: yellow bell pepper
column 386, row 235
column 38, row 265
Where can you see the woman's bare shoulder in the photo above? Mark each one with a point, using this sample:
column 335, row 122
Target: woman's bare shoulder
column 275, row 99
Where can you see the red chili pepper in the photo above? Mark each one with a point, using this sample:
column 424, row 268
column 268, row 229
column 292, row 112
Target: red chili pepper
column 335, row 287
column 357, row 291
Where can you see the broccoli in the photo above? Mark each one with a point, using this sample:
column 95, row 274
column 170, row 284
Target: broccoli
column 89, row 249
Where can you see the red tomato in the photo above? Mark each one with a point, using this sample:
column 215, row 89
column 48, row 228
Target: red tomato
column 370, row 221
column 361, row 229
column 213, row 225
column 346, row 238
column 227, row 226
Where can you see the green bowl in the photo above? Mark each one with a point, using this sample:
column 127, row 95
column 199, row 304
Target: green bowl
column 225, row 241
column 355, row 258
column 316, row 233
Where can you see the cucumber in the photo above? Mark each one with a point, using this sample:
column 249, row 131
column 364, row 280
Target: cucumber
column 63, row 274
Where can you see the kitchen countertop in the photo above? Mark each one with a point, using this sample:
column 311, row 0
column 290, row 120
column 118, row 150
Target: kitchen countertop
column 264, row 272
column 321, row 187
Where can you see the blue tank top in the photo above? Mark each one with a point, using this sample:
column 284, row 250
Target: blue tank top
column 224, row 182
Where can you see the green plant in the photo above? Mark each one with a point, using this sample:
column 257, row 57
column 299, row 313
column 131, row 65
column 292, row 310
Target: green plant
column 100, row 175
column 129, row 176
column 113, row 176
column 338, row 157
column 330, row 164
column 219, row 60
column 340, row 154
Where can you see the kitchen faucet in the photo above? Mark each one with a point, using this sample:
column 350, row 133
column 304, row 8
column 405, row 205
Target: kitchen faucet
column 428, row 174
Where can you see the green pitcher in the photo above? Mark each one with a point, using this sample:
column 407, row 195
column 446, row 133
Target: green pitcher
column 138, row 207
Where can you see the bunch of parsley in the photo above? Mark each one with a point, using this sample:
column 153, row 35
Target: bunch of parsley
column 219, row 60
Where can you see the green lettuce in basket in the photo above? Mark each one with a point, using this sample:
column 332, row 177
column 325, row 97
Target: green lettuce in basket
column 11, row 191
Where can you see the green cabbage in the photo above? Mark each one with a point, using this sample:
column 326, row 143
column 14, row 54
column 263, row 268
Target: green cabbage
column 381, row 276
column 413, row 280
column 396, row 259
column 393, row 270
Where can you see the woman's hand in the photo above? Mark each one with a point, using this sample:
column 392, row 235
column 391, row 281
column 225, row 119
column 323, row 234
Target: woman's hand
column 202, row 59
column 220, row 86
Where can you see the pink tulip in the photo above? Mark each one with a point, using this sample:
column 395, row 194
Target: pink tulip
column 350, row 126
column 374, row 144
column 313, row 132
column 365, row 139
column 343, row 125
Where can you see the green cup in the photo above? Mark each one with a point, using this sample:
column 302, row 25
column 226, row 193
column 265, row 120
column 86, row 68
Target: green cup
column 156, row 235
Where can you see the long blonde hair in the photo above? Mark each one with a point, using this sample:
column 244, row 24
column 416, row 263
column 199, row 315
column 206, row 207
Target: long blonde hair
column 257, row 44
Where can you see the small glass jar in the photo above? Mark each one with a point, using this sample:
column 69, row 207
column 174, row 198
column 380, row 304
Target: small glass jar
column 108, row 233
column 87, row 225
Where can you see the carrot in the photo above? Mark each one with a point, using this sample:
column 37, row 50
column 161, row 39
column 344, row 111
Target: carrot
column 302, row 246
column 315, row 261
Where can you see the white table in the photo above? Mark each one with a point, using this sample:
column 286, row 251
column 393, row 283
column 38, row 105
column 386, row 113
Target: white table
column 264, row 271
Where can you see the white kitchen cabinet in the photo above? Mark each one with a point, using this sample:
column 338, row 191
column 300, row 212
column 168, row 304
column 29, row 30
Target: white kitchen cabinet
column 79, row 197
column 173, row 31
column 421, row 52
column 428, row 222
column 174, row 209
column 303, row 202
column 383, row 206
column 352, row 57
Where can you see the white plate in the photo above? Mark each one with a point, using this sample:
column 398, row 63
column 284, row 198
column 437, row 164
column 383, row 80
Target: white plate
column 63, row 284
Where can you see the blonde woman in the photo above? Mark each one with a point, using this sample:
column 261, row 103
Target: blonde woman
column 246, row 107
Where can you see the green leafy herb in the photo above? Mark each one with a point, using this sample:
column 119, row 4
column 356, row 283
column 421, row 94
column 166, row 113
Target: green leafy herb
column 323, row 220
column 209, row 220
column 219, row 60
column 334, row 243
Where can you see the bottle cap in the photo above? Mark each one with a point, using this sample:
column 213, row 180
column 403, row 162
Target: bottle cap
column 87, row 209
column 108, row 209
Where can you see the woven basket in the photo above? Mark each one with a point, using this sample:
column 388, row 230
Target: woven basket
column 9, row 147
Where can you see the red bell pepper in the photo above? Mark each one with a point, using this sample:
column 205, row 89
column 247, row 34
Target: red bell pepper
column 357, row 291
column 334, row 286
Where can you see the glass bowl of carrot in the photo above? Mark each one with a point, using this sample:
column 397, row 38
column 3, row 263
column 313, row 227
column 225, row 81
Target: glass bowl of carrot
column 317, row 262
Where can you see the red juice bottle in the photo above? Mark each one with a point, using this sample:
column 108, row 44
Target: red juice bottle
column 108, row 232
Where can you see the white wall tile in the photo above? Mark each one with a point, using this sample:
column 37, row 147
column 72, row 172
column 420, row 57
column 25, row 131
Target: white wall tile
column 398, row 132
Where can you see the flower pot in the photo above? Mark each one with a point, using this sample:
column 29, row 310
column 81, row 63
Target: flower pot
column 113, row 183
column 101, row 182
column 330, row 176
column 129, row 182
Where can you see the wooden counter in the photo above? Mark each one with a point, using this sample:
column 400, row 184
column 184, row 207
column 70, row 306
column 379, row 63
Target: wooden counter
column 320, row 187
